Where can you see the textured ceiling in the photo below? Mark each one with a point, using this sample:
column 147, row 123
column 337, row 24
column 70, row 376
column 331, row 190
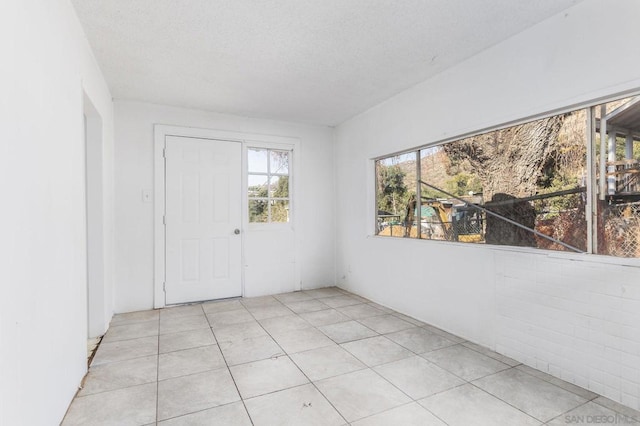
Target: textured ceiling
column 312, row 61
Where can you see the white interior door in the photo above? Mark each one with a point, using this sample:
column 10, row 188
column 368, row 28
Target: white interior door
column 203, row 218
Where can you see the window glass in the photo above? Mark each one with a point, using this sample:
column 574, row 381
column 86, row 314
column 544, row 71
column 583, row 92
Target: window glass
column 525, row 185
column 395, row 183
column 617, row 146
column 258, row 185
column 257, row 160
column 279, row 187
column 280, row 211
column 258, row 211
column 279, row 162
column 268, row 185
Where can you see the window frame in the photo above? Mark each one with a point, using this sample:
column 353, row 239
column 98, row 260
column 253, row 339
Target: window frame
column 591, row 171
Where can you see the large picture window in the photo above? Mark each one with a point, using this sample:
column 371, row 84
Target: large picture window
column 537, row 184
column 268, row 185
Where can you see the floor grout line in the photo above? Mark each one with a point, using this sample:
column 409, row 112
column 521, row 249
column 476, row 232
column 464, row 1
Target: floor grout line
column 230, row 374
column 277, row 303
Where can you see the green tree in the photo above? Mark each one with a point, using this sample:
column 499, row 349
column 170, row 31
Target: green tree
column 282, row 188
column 258, row 208
column 462, row 184
column 280, row 208
column 260, row 203
column 392, row 190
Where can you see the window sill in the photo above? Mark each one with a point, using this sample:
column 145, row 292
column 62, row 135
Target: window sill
column 582, row 257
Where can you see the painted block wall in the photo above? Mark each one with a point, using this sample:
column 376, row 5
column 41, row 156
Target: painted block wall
column 46, row 66
column 575, row 320
column 575, row 317
column 134, row 218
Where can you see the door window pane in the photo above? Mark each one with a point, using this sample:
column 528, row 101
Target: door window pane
column 268, row 185
column 257, row 160
column 258, row 211
column 279, row 162
column 280, row 211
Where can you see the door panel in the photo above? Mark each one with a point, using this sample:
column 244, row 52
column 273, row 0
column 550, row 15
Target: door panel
column 203, row 208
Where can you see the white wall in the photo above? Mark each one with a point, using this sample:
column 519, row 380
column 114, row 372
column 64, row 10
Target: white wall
column 98, row 300
column 46, row 65
column 134, row 173
column 572, row 316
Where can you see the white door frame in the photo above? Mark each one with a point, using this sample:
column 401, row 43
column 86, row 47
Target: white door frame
column 161, row 131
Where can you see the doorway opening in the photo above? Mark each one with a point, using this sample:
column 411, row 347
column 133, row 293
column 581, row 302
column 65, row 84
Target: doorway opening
column 94, row 223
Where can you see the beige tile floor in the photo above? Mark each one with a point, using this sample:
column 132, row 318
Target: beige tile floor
column 319, row 357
